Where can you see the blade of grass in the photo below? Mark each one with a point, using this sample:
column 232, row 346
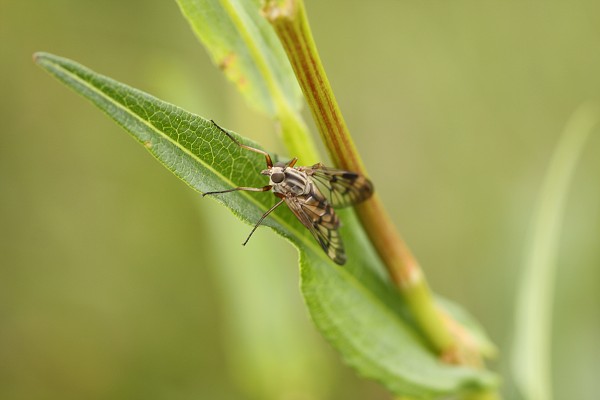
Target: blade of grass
column 531, row 359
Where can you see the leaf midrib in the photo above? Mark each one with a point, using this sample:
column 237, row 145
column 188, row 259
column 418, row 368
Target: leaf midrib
column 263, row 65
column 305, row 240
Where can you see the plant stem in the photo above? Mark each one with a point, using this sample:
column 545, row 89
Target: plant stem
column 289, row 20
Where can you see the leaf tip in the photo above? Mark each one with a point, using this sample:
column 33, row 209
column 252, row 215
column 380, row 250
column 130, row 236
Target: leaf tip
column 42, row 58
column 38, row 56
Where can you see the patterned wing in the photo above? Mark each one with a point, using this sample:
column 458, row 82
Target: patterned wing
column 318, row 216
column 340, row 188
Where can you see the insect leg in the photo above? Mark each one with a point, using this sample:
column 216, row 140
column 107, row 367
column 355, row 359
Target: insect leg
column 292, row 162
column 262, row 218
column 247, row 189
column 264, row 153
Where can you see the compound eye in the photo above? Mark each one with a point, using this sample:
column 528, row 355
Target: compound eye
column 277, row 177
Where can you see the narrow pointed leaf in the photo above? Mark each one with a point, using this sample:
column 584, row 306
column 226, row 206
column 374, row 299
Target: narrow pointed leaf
column 242, row 43
column 531, row 353
column 354, row 306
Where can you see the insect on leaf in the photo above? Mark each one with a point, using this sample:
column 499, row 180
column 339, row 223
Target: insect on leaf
column 297, row 188
column 355, row 307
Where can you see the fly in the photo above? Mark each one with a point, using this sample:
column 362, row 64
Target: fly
column 311, row 193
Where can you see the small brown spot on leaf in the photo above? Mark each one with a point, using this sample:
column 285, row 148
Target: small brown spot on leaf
column 227, row 61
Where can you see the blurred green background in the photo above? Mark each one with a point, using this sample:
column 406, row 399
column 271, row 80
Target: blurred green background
column 118, row 282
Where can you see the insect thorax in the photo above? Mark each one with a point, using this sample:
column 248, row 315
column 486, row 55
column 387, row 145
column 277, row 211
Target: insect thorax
column 295, row 182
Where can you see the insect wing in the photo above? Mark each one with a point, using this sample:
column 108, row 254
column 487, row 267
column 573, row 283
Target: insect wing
column 318, row 216
column 340, row 188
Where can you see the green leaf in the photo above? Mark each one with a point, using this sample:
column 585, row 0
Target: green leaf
column 243, row 45
column 355, row 306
